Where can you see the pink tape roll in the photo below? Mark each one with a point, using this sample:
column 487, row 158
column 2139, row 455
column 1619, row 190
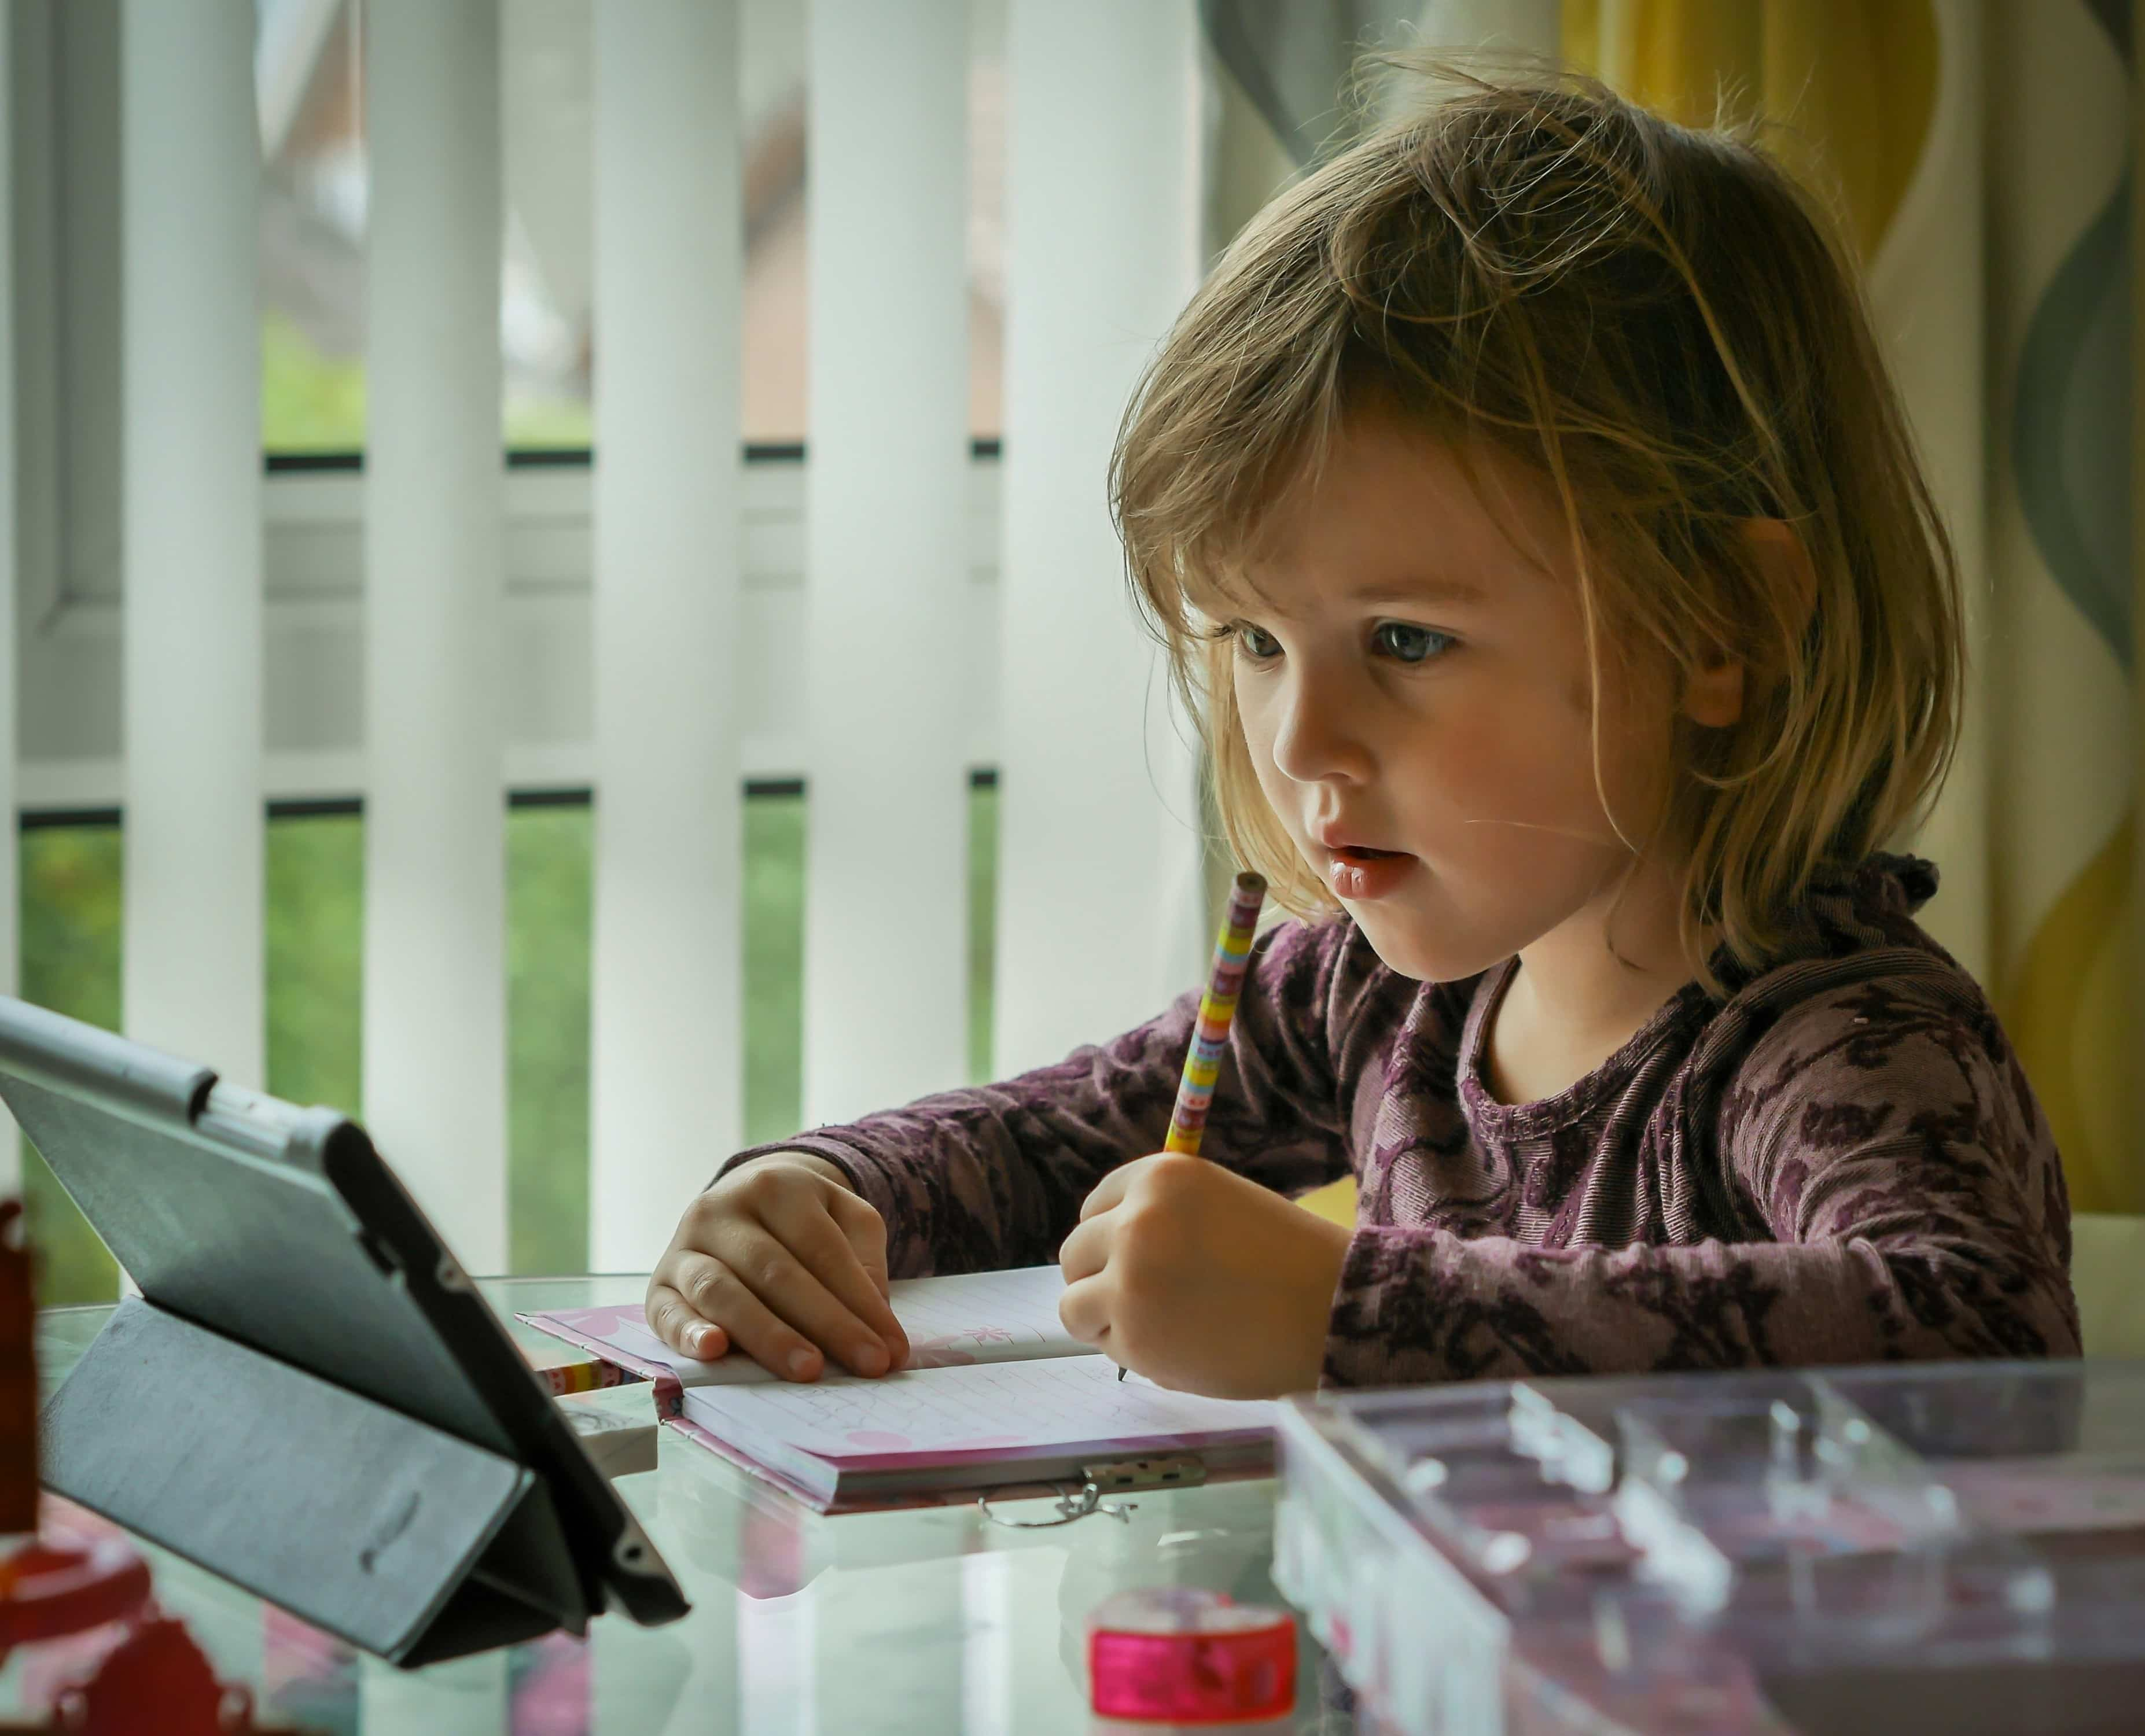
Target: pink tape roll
column 1180, row 1654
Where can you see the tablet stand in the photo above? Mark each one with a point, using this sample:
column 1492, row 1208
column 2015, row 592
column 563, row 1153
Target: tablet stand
column 404, row 1540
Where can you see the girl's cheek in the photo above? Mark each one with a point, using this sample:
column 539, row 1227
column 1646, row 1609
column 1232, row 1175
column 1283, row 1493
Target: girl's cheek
column 1258, row 737
column 1271, row 780
column 1509, row 762
column 1258, row 742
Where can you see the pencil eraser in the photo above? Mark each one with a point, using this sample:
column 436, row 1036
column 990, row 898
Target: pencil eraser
column 1183, row 1654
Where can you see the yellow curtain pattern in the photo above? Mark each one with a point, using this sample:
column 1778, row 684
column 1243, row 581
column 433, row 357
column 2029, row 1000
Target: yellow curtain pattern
column 2055, row 128
column 1850, row 82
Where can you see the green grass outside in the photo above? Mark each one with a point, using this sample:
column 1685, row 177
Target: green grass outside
column 983, row 927
column 550, row 881
column 71, row 922
column 315, row 403
column 69, row 940
column 315, row 959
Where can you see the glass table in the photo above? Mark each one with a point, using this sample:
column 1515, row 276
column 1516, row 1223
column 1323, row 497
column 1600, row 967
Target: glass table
column 932, row 1620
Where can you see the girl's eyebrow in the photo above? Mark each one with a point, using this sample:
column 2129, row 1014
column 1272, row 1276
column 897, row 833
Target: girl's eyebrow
column 1424, row 589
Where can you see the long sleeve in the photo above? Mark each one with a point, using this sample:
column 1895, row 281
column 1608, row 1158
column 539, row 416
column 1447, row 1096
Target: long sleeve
column 1899, row 1198
column 994, row 1175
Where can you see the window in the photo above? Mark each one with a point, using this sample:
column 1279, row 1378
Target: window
column 309, row 66
column 71, row 869
column 309, row 72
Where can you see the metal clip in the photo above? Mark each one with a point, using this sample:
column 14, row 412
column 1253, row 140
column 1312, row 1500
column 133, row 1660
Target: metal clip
column 1071, row 1504
column 1113, row 1476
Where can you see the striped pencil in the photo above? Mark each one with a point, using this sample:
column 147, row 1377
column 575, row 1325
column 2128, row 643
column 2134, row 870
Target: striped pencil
column 1217, row 1009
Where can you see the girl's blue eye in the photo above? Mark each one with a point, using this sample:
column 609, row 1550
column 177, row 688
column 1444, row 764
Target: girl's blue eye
column 1404, row 644
column 1256, row 643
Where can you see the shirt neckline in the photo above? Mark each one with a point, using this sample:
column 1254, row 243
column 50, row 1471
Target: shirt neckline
column 1490, row 1116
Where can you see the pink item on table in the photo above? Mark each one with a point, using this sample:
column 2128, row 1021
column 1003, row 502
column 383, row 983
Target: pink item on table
column 1179, row 1655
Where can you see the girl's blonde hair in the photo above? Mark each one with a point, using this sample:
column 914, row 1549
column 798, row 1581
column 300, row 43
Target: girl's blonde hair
column 1665, row 325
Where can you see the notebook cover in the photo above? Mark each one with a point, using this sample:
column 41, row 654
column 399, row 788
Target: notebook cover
column 644, row 1368
column 669, row 1397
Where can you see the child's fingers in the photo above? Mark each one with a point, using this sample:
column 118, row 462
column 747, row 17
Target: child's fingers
column 1110, row 1190
column 1085, row 1251
column 858, row 1220
column 792, row 1290
column 865, row 1231
column 672, row 1319
column 1084, row 1311
column 855, row 1310
column 713, row 1289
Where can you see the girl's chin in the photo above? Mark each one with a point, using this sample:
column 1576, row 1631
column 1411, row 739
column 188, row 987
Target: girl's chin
column 1402, row 946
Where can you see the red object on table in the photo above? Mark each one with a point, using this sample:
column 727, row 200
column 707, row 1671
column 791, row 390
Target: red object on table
column 81, row 1591
column 56, row 1585
column 18, row 1378
column 1179, row 1655
column 100, row 1657
column 157, row 1679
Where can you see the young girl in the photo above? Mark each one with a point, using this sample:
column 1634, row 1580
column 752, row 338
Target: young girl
column 1528, row 514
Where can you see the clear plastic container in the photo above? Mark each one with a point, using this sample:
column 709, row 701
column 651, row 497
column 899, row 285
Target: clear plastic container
column 1956, row 1547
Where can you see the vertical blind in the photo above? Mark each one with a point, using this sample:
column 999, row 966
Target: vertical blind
column 664, row 1091
column 1098, row 887
column 886, row 556
column 1099, row 871
column 434, row 994
column 191, row 977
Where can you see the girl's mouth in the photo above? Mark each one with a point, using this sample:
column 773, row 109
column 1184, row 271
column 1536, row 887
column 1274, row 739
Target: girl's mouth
column 1358, row 872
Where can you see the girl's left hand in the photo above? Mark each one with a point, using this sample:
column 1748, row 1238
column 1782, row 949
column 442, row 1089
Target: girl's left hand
column 1187, row 1273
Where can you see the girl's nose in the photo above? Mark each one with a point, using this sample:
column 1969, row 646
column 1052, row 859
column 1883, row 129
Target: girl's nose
column 1320, row 737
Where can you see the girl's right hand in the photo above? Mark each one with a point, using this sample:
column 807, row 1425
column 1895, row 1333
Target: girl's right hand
column 779, row 1259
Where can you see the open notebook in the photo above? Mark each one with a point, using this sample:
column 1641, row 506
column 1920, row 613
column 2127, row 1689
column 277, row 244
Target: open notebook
column 994, row 1394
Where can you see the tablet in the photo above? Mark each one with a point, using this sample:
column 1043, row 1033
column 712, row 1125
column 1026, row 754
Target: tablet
column 309, row 1395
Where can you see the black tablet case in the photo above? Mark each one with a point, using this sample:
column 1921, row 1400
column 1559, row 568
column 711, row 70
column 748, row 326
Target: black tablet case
column 309, row 1397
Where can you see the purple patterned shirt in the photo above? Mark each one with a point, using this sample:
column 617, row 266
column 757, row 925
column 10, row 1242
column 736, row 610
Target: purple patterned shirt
column 1841, row 1162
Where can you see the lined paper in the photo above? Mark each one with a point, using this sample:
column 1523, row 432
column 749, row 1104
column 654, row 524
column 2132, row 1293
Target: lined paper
column 1000, row 1408
column 967, row 1318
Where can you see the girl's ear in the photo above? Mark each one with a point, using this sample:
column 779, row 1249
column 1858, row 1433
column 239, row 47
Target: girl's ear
column 1785, row 558
column 1713, row 695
